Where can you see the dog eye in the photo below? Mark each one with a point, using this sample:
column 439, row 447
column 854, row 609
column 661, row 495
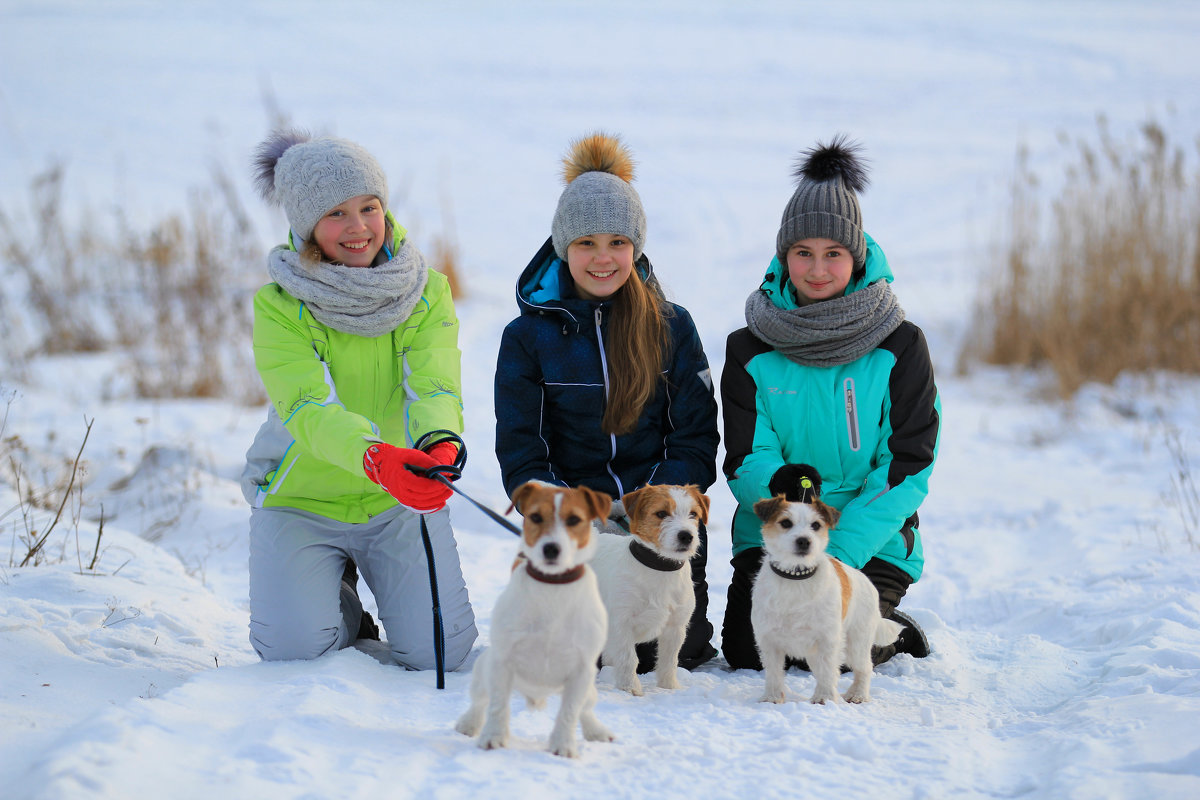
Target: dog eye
column 693, row 515
column 535, row 518
column 573, row 520
column 816, row 526
column 785, row 523
column 661, row 514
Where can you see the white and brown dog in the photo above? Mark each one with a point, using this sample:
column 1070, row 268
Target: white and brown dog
column 646, row 580
column 809, row 605
column 548, row 625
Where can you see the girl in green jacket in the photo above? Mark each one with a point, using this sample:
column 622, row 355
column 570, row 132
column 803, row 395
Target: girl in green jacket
column 356, row 342
column 828, row 373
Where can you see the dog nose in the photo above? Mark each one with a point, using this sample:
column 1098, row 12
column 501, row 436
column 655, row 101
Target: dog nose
column 551, row 551
column 685, row 538
column 802, row 546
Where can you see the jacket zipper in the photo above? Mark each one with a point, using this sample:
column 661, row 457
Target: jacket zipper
column 851, row 414
column 604, row 369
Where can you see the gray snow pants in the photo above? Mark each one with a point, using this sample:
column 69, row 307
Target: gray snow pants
column 299, row 611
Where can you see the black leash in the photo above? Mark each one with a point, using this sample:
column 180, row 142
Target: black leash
column 445, row 474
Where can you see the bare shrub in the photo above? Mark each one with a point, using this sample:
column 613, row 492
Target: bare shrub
column 174, row 298
column 1105, row 278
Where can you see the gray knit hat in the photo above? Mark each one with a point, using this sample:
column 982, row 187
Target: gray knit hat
column 598, row 197
column 825, row 203
column 309, row 176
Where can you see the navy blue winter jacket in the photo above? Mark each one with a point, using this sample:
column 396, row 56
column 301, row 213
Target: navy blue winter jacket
column 551, row 390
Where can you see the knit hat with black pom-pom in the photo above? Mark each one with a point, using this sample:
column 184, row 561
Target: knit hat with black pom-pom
column 309, row 176
column 825, row 203
column 598, row 198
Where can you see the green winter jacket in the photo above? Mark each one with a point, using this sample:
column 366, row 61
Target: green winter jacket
column 870, row 428
column 333, row 394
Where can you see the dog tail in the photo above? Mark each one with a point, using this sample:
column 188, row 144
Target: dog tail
column 886, row 632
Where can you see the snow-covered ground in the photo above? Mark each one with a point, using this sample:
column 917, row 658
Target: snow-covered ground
column 1062, row 589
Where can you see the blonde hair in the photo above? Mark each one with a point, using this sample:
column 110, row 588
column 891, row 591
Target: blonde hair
column 638, row 343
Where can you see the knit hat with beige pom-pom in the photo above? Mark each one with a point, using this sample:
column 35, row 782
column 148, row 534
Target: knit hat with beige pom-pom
column 598, row 197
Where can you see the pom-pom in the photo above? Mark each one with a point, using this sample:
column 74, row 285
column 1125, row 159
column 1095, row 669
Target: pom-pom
column 828, row 161
column 598, row 153
column 267, row 156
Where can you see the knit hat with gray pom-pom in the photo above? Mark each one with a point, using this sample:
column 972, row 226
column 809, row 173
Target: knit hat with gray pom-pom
column 308, row 176
column 825, row 203
column 598, row 197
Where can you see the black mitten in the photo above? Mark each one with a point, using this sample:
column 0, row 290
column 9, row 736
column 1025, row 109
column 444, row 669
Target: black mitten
column 799, row 483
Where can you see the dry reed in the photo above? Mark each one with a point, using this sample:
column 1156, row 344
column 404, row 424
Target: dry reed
column 1109, row 281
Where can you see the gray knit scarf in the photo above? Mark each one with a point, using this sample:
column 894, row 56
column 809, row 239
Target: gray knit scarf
column 368, row 301
column 828, row 333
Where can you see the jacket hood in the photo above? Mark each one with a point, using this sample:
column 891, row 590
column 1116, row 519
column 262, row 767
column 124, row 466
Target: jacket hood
column 778, row 286
column 545, row 286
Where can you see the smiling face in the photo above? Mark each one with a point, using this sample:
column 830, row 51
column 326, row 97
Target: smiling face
column 819, row 269
column 600, row 264
column 352, row 233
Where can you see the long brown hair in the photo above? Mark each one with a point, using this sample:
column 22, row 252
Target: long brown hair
column 638, row 342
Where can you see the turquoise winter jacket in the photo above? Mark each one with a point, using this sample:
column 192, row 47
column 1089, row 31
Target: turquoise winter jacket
column 870, row 427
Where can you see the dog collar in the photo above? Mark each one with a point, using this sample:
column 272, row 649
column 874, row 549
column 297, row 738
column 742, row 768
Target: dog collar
column 793, row 575
column 571, row 575
column 647, row 557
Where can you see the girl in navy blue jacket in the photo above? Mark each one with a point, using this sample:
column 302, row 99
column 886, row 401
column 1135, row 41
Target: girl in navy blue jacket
column 601, row 382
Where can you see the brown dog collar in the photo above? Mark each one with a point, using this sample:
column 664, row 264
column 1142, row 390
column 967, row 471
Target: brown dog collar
column 570, row 576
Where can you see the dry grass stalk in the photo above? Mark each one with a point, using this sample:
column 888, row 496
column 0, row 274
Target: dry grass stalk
column 1111, row 283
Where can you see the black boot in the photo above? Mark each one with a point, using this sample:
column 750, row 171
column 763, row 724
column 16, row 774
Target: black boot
column 367, row 629
column 912, row 639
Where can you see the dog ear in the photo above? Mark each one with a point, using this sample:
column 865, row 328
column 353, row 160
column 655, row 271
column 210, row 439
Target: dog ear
column 767, row 509
column 598, row 503
column 828, row 513
column 520, row 494
column 630, row 500
column 701, row 500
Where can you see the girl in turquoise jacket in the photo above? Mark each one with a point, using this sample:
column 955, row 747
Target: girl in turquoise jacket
column 356, row 342
column 829, row 373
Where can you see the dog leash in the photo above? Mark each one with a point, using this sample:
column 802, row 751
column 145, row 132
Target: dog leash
column 445, row 474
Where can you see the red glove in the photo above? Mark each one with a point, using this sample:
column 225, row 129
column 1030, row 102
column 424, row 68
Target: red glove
column 444, row 453
column 386, row 466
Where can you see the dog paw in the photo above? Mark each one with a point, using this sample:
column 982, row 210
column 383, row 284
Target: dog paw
column 772, row 698
column 598, row 733
column 565, row 748
column 857, row 697
column 668, row 680
column 494, row 742
column 634, row 686
column 467, row 726
column 820, row 697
